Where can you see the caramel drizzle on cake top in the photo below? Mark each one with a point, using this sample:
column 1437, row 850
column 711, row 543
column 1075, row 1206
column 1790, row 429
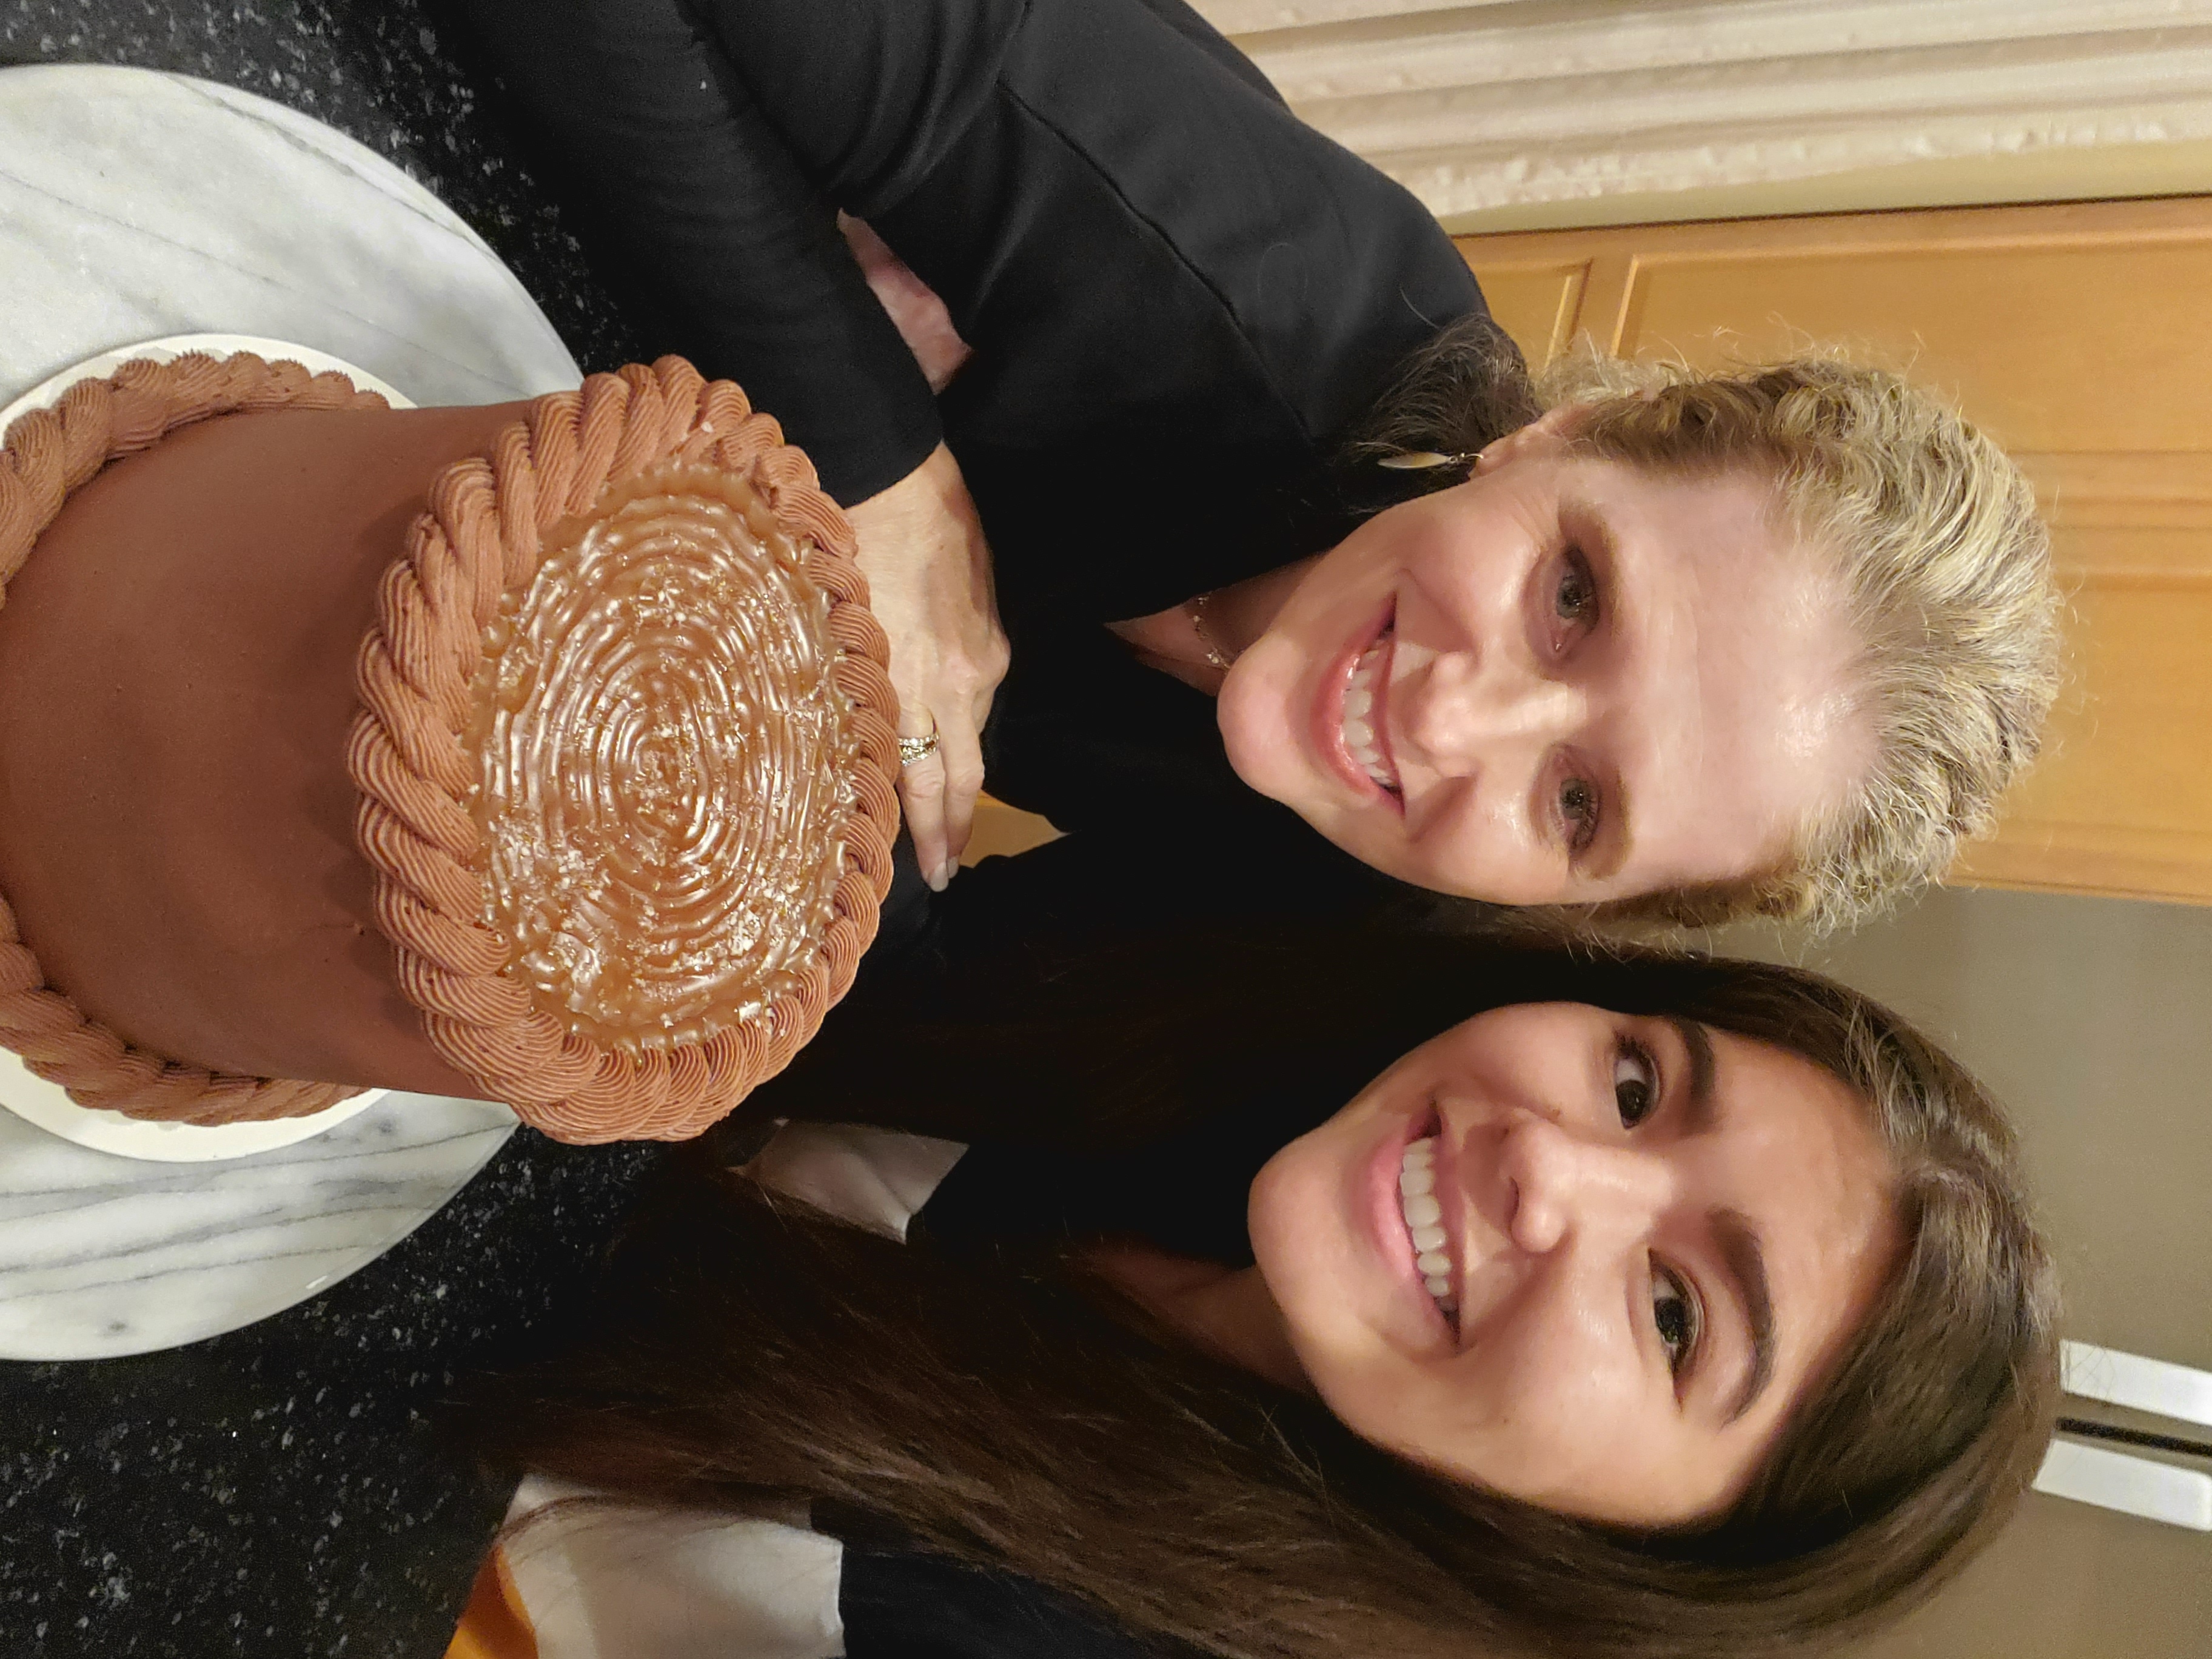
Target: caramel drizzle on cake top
column 663, row 753
column 587, row 1074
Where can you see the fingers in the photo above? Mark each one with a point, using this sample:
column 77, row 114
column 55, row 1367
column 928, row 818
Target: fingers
column 922, row 797
column 915, row 310
column 960, row 752
column 938, row 794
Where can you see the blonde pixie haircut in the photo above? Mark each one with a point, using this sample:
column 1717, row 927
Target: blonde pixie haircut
column 1932, row 536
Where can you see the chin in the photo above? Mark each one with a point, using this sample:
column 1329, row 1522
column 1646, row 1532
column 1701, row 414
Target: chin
column 1252, row 718
column 1292, row 1212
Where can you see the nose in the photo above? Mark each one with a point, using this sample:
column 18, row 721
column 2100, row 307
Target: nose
column 1566, row 1186
column 1473, row 711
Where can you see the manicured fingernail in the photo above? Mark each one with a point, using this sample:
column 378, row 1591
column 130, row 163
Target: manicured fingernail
column 937, row 880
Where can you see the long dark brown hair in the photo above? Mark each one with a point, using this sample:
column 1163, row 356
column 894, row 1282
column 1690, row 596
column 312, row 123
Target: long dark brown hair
column 1005, row 1408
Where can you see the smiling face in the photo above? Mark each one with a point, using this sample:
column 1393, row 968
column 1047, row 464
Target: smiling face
column 1564, row 681
column 1586, row 1260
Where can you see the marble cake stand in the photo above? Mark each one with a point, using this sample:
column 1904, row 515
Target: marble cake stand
column 138, row 205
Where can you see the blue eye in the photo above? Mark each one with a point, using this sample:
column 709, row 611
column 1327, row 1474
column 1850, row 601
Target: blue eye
column 1578, row 811
column 1574, row 599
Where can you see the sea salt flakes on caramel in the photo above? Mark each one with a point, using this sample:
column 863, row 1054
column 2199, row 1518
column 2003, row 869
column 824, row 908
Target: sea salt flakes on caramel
column 664, row 764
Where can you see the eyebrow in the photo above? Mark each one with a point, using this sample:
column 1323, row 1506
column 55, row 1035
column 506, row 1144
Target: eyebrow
column 1746, row 1270
column 1698, row 1109
column 1583, row 524
column 1741, row 1254
column 1620, row 838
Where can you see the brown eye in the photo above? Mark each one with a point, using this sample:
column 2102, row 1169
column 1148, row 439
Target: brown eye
column 1635, row 1084
column 1674, row 1312
column 1578, row 811
column 1576, row 598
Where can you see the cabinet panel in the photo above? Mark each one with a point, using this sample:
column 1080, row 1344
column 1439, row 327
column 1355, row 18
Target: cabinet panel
column 1538, row 303
column 2122, row 801
column 2033, row 337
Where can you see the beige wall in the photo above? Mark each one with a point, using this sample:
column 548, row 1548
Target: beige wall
column 2068, row 1581
column 2093, row 1019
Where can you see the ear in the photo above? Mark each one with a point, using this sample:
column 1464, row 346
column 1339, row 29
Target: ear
column 1551, row 430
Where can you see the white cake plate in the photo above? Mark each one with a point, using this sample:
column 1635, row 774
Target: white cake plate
column 153, row 212
column 34, row 1100
column 48, row 392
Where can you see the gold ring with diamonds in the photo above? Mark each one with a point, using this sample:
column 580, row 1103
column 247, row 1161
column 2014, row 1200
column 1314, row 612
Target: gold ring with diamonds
column 913, row 749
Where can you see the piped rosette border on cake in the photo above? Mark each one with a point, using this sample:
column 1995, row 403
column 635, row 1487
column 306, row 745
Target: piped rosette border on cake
column 47, row 454
column 481, row 538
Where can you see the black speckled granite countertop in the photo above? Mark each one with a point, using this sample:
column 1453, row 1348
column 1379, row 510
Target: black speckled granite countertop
column 397, row 75
column 280, row 1491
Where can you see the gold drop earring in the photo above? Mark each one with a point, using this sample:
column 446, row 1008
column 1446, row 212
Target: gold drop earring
column 1423, row 461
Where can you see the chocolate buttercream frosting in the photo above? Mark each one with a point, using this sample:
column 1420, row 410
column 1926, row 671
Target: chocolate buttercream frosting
column 594, row 820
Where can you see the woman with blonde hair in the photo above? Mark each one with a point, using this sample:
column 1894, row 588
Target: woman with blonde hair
column 1665, row 1307
column 1212, row 452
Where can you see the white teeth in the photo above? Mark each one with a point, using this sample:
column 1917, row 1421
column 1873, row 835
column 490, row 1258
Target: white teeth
column 1417, row 1182
column 1359, row 727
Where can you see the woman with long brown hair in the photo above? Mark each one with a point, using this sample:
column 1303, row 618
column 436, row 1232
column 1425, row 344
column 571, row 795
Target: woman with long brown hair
column 1664, row 1307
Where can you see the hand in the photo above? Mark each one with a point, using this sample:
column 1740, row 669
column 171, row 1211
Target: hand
column 921, row 548
column 920, row 316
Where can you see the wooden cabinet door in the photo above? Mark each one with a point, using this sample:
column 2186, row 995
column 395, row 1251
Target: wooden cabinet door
column 2077, row 335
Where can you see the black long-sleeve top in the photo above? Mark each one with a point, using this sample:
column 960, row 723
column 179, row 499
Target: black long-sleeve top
column 1178, row 295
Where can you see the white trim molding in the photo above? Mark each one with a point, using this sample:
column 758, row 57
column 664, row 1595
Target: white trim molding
column 2175, row 1493
column 1505, row 103
column 2133, row 1486
column 2156, row 1386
